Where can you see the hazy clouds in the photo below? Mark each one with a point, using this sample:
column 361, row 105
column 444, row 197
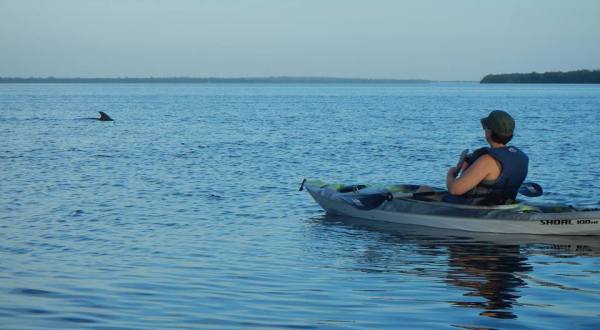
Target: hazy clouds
column 446, row 40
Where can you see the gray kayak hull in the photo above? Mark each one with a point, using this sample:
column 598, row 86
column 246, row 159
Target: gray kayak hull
column 501, row 219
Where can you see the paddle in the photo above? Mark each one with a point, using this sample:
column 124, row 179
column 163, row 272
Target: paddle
column 461, row 161
column 370, row 201
column 374, row 200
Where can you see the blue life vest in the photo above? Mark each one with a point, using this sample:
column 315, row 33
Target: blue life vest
column 504, row 189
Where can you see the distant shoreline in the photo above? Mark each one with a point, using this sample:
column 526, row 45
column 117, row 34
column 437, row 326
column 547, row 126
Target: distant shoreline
column 558, row 77
column 278, row 80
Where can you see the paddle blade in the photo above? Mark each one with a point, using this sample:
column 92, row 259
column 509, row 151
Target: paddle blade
column 365, row 201
column 531, row 189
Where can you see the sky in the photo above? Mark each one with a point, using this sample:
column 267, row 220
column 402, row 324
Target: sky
column 425, row 39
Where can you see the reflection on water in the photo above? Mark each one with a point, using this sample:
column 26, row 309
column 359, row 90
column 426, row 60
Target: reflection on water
column 490, row 270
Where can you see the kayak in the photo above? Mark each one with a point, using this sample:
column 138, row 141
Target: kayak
column 404, row 206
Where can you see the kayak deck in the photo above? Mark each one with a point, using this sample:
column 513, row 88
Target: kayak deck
column 511, row 219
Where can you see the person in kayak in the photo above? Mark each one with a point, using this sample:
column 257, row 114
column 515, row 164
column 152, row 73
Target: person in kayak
column 490, row 175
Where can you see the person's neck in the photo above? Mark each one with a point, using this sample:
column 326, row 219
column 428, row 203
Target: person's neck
column 497, row 145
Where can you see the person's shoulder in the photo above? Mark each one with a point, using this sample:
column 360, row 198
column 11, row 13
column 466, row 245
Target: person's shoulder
column 485, row 160
column 475, row 155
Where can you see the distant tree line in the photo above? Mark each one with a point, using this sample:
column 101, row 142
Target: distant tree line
column 558, row 77
column 209, row 80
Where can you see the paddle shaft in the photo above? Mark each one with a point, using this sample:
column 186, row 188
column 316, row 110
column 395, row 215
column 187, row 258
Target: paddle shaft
column 374, row 200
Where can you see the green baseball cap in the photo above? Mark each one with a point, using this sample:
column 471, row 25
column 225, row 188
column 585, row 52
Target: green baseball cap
column 499, row 122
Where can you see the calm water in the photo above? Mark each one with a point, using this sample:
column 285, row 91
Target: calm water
column 184, row 212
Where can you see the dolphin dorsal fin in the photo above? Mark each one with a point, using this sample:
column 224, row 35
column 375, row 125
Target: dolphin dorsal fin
column 104, row 116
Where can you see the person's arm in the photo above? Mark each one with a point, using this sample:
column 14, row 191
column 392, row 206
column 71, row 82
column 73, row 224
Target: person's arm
column 471, row 177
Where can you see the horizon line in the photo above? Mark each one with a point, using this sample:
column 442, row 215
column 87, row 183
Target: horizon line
column 183, row 79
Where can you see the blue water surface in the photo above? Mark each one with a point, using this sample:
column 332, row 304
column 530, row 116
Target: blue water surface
column 184, row 211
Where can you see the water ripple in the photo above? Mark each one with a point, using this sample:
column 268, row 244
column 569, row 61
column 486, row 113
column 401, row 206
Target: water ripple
column 185, row 213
